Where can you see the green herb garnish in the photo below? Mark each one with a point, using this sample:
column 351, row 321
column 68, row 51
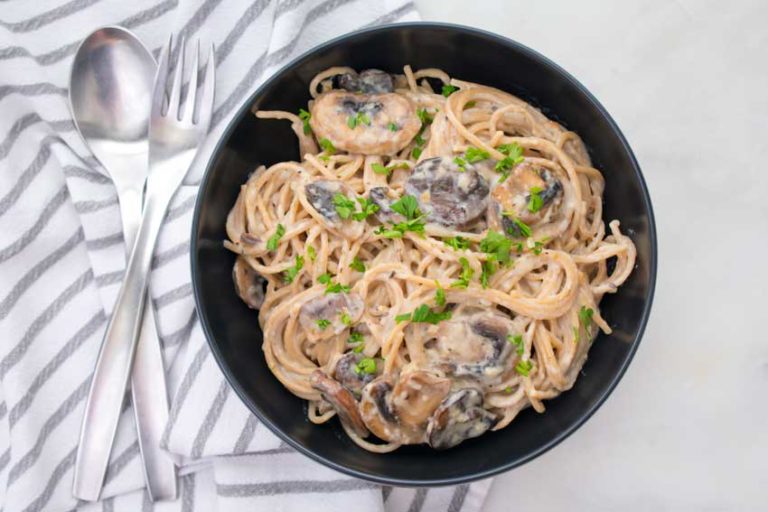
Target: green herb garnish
column 336, row 288
column 311, row 253
column 585, row 319
column 346, row 319
column 327, row 146
column 393, row 127
column 524, row 367
column 292, row 272
column 513, row 156
column 424, row 116
column 457, row 242
column 517, row 341
column 345, row 207
column 324, row 278
column 439, row 295
column 449, row 89
column 367, row 207
column 380, row 169
column 275, row 239
column 520, row 228
column 459, row 161
column 535, row 202
column 407, row 206
column 355, row 338
column 416, row 153
column 305, row 117
column 470, row 104
column 466, row 274
column 423, row 314
column 358, row 119
column 474, row 155
column 498, row 245
column 488, row 269
column 323, row 323
column 357, row 265
column 366, row 365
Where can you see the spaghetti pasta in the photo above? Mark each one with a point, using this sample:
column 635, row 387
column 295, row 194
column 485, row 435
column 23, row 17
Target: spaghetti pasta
column 435, row 262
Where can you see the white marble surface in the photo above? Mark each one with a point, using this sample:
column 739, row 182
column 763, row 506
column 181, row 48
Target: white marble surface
column 687, row 81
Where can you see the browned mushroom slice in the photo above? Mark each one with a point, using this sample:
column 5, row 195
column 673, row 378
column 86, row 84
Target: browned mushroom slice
column 461, row 416
column 450, row 195
column 349, row 378
column 341, row 400
column 322, row 316
column 531, row 195
column 473, row 345
column 328, row 198
column 416, row 396
column 249, row 285
column 370, row 81
column 368, row 124
column 376, row 412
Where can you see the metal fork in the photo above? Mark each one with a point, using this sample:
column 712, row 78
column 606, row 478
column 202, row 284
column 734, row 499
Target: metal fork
column 174, row 138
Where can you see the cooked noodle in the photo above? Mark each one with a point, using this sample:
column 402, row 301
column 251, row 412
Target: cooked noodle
column 545, row 298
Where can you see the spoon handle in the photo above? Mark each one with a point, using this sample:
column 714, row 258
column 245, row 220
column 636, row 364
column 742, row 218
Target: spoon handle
column 113, row 366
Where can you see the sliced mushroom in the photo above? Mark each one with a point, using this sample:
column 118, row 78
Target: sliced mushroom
column 345, row 373
column 461, row 416
column 450, row 195
column 249, row 285
column 381, row 198
column 511, row 199
column 376, row 412
column 329, row 308
column 416, row 396
column 341, row 400
column 369, row 81
column 321, row 194
column 363, row 123
column 473, row 345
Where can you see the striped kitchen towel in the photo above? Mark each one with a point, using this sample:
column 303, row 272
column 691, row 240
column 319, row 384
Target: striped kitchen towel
column 61, row 261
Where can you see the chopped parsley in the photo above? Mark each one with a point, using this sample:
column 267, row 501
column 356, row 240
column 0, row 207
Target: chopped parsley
column 474, row 155
column 470, row 104
column 386, row 170
column 457, row 242
column 367, row 207
column 461, row 163
column 488, row 269
column 517, row 341
column 327, row 146
column 449, row 89
column 323, row 323
column 439, row 295
column 513, row 156
column 336, row 288
column 345, row 207
column 359, row 348
column 355, row 338
column 366, row 365
column 324, row 278
column 424, row 116
column 508, row 390
column 275, row 239
column 466, row 274
column 520, row 228
column 423, row 314
column 497, row 245
column 393, row 127
column 292, row 272
column 535, row 202
column 524, row 367
column 358, row 119
column 416, row 153
column 346, row 319
column 311, row 253
column 407, row 206
column 357, row 265
column 585, row 320
column 305, row 117
column 536, row 246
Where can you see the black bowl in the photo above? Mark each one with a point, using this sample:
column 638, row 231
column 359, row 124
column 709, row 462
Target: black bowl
column 233, row 330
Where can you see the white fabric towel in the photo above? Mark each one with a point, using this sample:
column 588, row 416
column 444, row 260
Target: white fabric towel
column 62, row 258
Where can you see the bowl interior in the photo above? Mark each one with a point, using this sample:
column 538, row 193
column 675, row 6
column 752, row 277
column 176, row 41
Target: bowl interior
column 233, row 330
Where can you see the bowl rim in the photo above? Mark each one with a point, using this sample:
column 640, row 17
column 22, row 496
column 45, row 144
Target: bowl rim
column 426, row 481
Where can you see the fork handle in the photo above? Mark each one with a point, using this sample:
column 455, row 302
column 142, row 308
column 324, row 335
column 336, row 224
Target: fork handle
column 113, row 366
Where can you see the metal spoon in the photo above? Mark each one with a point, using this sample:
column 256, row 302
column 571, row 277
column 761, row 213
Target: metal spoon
column 110, row 93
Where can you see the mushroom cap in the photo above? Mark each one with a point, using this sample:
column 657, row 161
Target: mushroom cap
column 332, row 111
column 329, row 307
column 513, row 196
column 321, row 195
column 341, row 399
column 460, row 416
column 249, row 285
column 449, row 195
column 369, row 81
